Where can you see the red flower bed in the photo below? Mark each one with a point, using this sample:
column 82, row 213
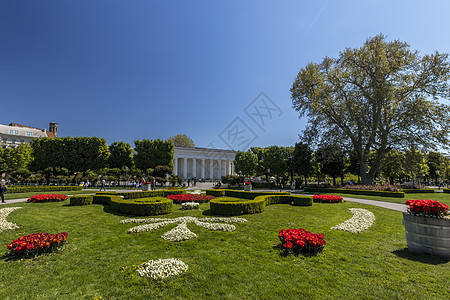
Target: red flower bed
column 190, row 198
column 327, row 199
column 35, row 244
column 47, row 198
column 427, row 208
column 301, row 241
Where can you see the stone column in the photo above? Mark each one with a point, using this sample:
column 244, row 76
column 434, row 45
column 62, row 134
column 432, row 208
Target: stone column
column 175, row 163
column 194, row 167
column 185, row 168
column 227, row 167
column 211, row 169
column 203, row 168
column 220, row 169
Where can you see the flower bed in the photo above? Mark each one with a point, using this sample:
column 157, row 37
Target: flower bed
column 31, row 245
column 327, row 199
column 427, row 208
column 189, row 205
column 301, row 241
column 4, row 224
column 178, row 199
column 361, row 220
column 47, row 198
column 162, row 268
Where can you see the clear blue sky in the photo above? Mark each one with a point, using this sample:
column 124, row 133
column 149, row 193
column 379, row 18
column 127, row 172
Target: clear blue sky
column 127, row 70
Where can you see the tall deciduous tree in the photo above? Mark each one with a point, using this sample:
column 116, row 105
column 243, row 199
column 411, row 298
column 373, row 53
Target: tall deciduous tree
column 120, row 155
column 246, row 163
column 182, row 140
column 379, row 97
column 331, row 159
column 152, row 153
column 302, row 160
column 392, row 166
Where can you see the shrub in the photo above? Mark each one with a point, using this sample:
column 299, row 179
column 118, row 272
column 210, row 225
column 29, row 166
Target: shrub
column 234, row 206
column 47, row 198
column 81, row 200
column 301, row 241
column 30, row 246
column 216, row 193
column 190, row 198
column 146, row 194
column 327, row 199
column 427, row 208
column 241, row 194
column 142, row 207
column 31, row 189
column 356, row 192
column 415, row 191
column 387, row 187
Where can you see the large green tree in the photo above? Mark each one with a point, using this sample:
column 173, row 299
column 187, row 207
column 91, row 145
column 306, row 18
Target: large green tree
column 331, row 159
column 182, row 140
column 12, row 159
column 120, row 155
column 302, row 160
column 246, row 163
column 378, row 97
column 152, row 153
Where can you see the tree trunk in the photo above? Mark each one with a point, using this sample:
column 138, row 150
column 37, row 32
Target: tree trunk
column 306, row 181
column 334, row 180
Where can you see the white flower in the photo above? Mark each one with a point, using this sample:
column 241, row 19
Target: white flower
column 162, row 268
column 194, row 192
column 189, row 205
column 4, row 224
column 182, row 232
column 361, row 220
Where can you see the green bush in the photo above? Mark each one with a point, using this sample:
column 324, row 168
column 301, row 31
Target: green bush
column 264, row 185
column 142, row 207
column 233, row 206
column 81, row 200
column 216, row 193
column 146, row 194
column 356, row 192
column 415, row 191
column 45, row 188
column 446, row 190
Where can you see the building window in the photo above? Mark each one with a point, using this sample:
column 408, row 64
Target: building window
column 12, row 131
column 29, row 133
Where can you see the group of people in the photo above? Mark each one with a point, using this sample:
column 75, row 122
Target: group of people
column 192, row 181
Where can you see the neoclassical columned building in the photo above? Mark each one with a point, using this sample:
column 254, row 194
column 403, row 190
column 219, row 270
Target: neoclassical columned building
column 203, row 163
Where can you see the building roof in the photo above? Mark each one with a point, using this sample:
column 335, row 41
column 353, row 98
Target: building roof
column 22, row 131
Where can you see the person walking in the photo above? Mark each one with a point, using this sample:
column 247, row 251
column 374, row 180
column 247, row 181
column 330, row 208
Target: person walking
column 153, row 184
column 3, row 190
column 103, row 187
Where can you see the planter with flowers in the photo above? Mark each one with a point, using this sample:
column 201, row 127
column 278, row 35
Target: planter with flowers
column 146, row 186
column 427, row 227
column 247, row 186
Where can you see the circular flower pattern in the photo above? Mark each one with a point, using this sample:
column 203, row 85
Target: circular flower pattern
column 361, row 220
column 162, row 268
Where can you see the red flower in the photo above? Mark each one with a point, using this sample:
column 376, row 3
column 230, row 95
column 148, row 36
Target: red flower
column 35, row 244
column 190, row 198
column 327, row 198
column 47, row 198
column 427, row 208
column 301, row 240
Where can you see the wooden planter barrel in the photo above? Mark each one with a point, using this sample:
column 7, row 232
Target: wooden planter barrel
column 427, row 235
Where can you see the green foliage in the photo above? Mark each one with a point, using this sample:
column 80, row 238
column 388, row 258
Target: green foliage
column 215, row 193
column 393, row 165
column 182, row 140
column 378, row 97
column 416, row 165
column 12, row 159
column 331, row 159
column 152, row 153
column 162, row 171
column 142, row 207
column 144, row 194
column 355, row 192
column 246, row 163
column 120, row 155
column 51, row 188
column 81, row 200
column 233, row 180
column 75, row 154
column 302, row 160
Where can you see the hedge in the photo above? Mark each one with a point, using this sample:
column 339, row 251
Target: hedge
column 144, row 194
column 356, row 192
column 142, row 207
column 81, row 200
column 446, row 190
column 233, row 207
column 241, row 194
column 45, row 188
column 417, row 191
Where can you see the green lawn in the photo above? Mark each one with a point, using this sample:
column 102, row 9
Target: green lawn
column 222, row 265
column 28, row 195
column 441, row 197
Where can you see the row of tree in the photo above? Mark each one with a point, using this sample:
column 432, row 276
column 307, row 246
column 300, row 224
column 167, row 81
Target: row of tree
column 78, row 159
column 332, row 161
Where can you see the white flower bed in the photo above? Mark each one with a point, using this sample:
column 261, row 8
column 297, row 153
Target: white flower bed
column 179, row 233
column 162, row 268
column 182, row 232
column 189, row 205
column 194, row 192
column 361, row 220
column 4, row 224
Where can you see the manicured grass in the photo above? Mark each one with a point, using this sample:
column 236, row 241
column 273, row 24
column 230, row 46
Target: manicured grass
column 28, row 195
column 222, row 265
column 441, row 197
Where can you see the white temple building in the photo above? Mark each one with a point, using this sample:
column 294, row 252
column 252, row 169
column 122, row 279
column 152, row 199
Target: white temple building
column 203, row 163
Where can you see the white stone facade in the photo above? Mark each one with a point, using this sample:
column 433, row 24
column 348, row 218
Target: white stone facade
column 203, row 163
column 13, row 136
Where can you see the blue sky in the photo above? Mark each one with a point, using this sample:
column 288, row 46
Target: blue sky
column 127, row 70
